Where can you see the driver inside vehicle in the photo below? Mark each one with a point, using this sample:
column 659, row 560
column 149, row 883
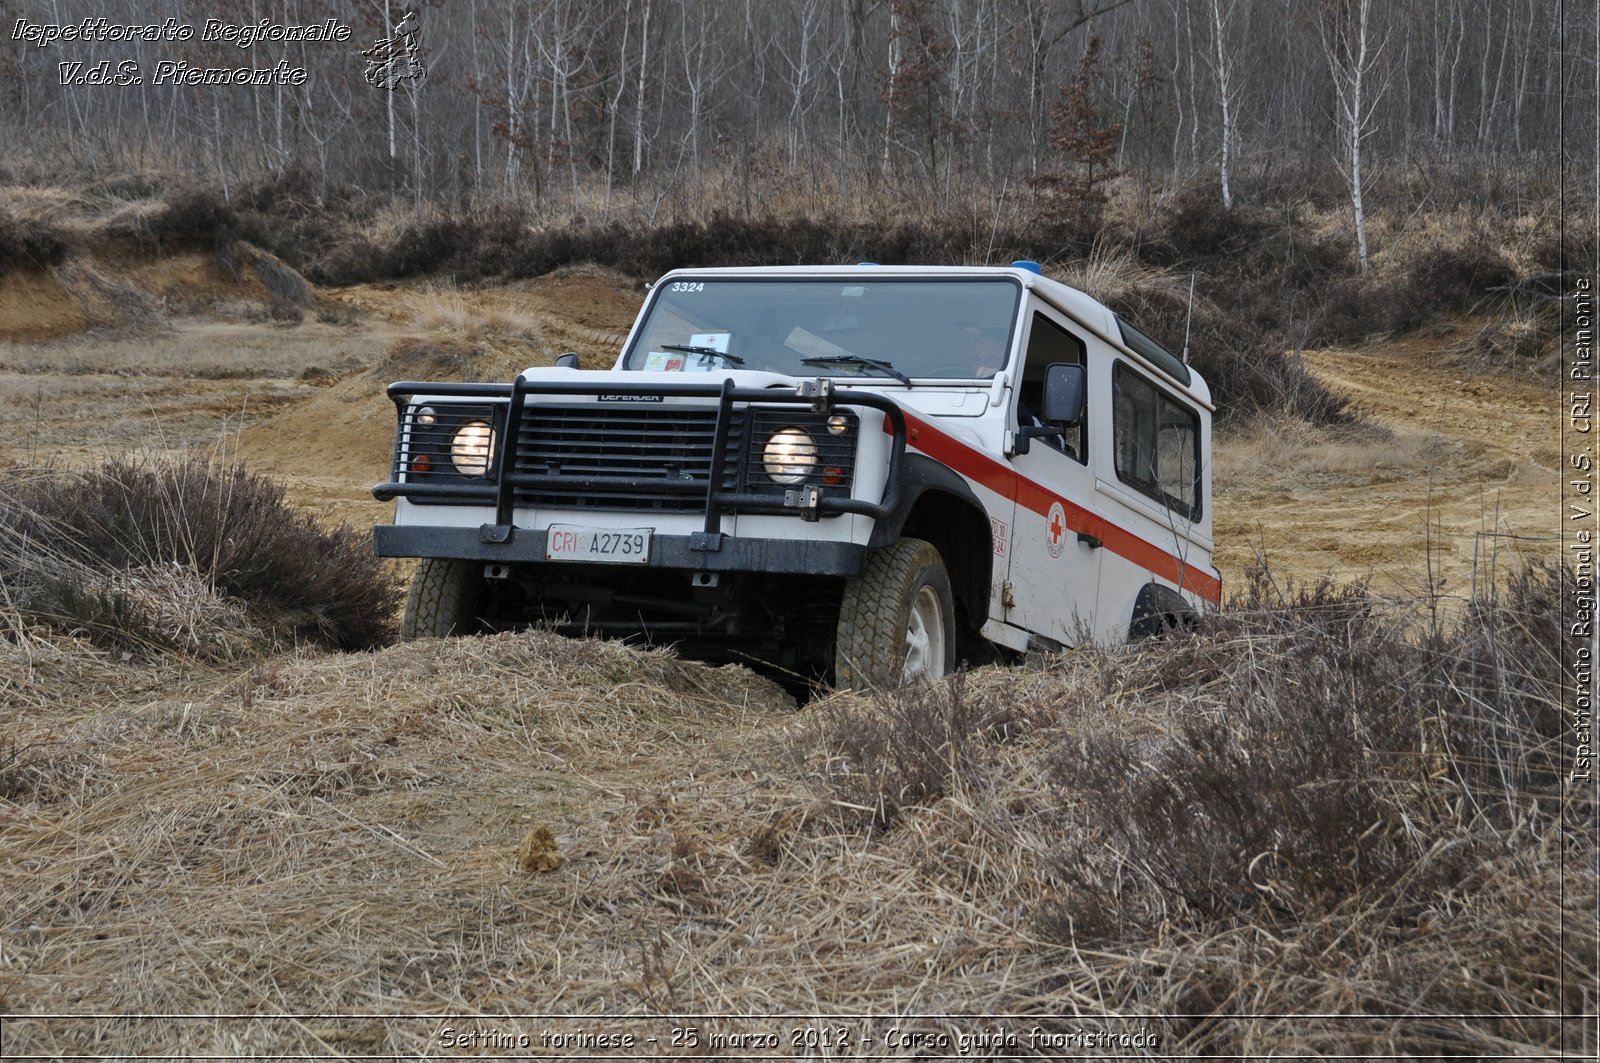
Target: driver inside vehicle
column 988, row 353
column 988, row 357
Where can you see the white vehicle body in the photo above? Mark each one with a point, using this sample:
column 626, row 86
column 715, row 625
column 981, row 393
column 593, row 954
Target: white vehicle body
column 597, row 511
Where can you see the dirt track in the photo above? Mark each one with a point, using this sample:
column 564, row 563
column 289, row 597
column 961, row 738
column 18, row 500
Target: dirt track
column 1460, row 466
column 1453, row 466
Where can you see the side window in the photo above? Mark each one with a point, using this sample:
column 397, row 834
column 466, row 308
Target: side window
column 1157, row 442
column 1048, row 344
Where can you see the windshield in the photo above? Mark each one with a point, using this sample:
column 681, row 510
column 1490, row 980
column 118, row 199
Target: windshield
column 957, row 329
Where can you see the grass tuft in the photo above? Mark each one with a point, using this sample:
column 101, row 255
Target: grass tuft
column 872, row 761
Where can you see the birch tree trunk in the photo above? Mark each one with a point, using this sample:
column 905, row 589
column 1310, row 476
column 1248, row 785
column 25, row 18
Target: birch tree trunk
column 615, row 104
column 1347, row 40
column 638, row 112
column 1224, row 92
column 388, row 31
column 894, row 74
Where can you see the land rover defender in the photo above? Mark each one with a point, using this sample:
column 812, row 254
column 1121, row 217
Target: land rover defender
column 861, row 475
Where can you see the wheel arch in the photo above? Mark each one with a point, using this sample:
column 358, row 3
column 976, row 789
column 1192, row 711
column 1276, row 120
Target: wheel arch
column 937, row 505
column 1156, row 609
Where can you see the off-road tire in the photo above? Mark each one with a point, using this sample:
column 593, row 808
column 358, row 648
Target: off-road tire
column 444, row 599
column 871, row 643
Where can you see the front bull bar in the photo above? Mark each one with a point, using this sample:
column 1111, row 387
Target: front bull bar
column 818, row 393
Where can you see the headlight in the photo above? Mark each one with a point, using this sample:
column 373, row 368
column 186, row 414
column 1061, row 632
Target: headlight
column 789, row 455
column 472, row 449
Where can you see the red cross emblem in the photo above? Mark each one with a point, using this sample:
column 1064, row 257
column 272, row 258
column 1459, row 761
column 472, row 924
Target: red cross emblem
column 1055, row 528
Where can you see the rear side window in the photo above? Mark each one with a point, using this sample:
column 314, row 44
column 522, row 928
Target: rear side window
column 1157, row 442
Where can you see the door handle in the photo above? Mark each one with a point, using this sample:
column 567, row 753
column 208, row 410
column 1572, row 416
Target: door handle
column 1093, row 540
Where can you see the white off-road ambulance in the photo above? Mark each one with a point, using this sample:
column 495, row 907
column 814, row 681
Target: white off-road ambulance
column 858, row 475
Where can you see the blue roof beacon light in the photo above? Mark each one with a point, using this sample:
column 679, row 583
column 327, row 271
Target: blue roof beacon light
column 1028, row 264
column 866, row 263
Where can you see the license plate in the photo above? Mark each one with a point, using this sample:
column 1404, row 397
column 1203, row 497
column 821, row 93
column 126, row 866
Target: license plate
column 617, row 546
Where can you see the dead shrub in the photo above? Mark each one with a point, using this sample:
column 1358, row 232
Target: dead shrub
column 1272, row 275
column 43, row 772
column 194, row 217
column 1520, row 344
column 1355, row 308
column 431, row 357
column 284, row 285
column 1458, row 276
column 284, row 313
column 1504, row 670
column 1408, row 293
column 123, row 552
column 1339, row 747
column 1195, row 225
column 29, row 243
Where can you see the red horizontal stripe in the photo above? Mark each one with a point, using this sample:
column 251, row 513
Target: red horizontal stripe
column 1004, row 480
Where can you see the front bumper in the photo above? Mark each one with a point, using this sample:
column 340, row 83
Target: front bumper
column 698, row 552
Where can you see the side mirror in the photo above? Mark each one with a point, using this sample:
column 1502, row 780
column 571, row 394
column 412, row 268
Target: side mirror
column 567, row 361
column 1064, row 387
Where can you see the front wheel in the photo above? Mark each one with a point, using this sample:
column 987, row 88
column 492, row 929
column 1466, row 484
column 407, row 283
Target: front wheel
column 897, row 620
column 444, row 599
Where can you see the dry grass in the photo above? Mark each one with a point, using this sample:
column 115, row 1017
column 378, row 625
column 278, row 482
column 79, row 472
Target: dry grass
column 371, row 835
column 486, row 337
column 1286, row 451
column 1401, row 238
column 446, row 310
column 1114, row 275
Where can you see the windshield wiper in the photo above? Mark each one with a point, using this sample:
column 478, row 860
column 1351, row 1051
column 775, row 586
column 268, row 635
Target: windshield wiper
column 856, row 360
column 733, row 359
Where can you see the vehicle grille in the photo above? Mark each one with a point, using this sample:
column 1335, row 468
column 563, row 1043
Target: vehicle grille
column 666, row 445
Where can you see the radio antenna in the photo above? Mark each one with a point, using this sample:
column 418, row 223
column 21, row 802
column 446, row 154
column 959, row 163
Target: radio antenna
column 1188, row 317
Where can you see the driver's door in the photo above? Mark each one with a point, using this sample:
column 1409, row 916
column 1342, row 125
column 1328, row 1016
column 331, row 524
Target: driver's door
column 1054, row 576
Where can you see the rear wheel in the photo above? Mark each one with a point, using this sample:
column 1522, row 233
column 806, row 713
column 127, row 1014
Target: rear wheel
column 897, row 620
column 444, row 599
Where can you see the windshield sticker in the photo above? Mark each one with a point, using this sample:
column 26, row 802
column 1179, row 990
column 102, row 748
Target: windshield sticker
column 702, row 360
column 717, row 341
column 663, row 362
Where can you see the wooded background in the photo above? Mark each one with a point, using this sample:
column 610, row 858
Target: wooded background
column 590, row 108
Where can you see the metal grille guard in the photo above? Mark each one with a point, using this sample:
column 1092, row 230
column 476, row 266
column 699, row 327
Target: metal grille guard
column 818, row 393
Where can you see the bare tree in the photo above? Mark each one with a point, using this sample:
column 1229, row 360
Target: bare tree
column 1350, row 43
column 799, row 56
column 1221, row 17
column 614, row 104
column 638, row 96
